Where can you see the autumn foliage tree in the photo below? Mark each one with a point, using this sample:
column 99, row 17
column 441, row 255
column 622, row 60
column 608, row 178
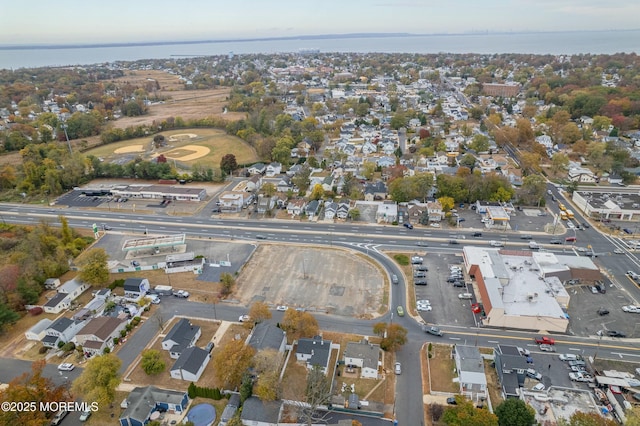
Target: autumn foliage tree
column 299, row 324
column 99, row 380
column 230, row 363
column 93, row 264
column 31, row 387
column 465, row 413
column 152, row 362
column 259, row 311
column 228, row 163
column 393, row 335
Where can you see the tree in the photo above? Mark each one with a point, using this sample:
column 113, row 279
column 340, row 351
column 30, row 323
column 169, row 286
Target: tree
column 580, row 418
column 228, row 282
column 267, row 387
column 532, row 189
column 301, row 179
column 268, row 189
column 633, row 416
column 152, row 362
column 368, row 169
column 447, row 203
column 479, row 143
column 354, row 214
column 393, row 335
column 228, row 163
column 318, row 393
column 515, row 412
column 94, row 269
column 317, row 192
column 299, row 324
column 230, row 363
column 468, row 160
column 7, row 316
column 99, row 380
column 559, row 162
column 464, row 413
column 259, row 312
column 246, row 388
column 31, row 387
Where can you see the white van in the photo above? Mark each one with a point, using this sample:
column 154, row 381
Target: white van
column 467, row 296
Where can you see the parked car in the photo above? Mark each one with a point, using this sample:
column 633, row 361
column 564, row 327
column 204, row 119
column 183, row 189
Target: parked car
column 281, row 308
column 421, row 268
column 534, row 374
column 209, row 347
column 407, row 225
column 419, row 274
column 459, row 284
column 423, row 308
column 452, row 401
column 243, row 318
column 593, row 289
column 85, row 416
column 545, row 340
column 632, row 309
column 416, row 260
column 614, row 333
column 420, row 281
column 434, row 225
column 467, row 296
column 568, row 357
column 524, row 351
column 433, row 330
column 181, row 293
column 67, row 366
column 397, row 368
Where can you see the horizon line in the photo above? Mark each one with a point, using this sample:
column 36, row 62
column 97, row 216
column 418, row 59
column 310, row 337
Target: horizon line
column 32, row 46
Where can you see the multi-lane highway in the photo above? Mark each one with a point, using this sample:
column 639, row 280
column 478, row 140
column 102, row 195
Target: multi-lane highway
column 371, row 240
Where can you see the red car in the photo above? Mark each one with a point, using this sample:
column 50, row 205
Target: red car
column 544, row 340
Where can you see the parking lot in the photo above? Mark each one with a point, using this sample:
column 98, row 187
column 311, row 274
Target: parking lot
column 583, row 311
column 446, row 307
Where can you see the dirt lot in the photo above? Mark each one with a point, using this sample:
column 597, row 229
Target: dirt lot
column 335, row 281
column 188, row 104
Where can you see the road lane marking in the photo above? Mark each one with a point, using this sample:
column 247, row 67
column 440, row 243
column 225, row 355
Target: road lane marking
column 621, row 354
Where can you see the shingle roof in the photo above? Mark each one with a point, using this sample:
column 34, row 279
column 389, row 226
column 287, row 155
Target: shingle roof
column 266, row 336
column 368, row 352
column 257, row 410
column 190, row 360
column 61, row 324
column 101, row 327
column 132, row 284
column 56, row 300
column 181, row 334
column 319, row 349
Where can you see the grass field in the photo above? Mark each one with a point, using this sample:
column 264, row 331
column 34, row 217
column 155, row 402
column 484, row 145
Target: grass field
column 216, row 142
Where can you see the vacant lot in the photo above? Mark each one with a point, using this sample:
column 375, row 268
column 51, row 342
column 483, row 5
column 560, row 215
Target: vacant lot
column 336, row 281
column 202, row 146
column 441, row 367
column 188, row 104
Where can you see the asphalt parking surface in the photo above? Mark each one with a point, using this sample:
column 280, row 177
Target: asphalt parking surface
column 583, row 311
column 447, row 308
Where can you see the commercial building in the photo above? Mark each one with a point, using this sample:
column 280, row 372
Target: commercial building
column 605, row 204
column 524, row 289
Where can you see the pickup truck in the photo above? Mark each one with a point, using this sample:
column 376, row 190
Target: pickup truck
column 544, row 340
column 181, row 293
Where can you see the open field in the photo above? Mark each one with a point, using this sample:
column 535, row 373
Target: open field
column 188, row 104
column 442, row 366
column 193, row 146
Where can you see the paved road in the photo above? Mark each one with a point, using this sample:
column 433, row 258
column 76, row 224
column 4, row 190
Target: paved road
column 367, row 239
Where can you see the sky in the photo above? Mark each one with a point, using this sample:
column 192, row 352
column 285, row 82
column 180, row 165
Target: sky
column 113, row 21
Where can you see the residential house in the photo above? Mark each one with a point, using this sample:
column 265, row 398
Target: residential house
column 257, row 169
column 387, row 212
column 511, row 367
column 369, row 148
column 135, row 288
column 312, row 209
column 180, row 337
column 343, row 209
column 314, row 352
column 330, row 210
column 231, row 202
column 375, row 191
column 38, row 331
column 190, row 364
column 267, row 336
column 581, row 175
column 256, row 412
column 254, row 183
column 143, row 401
column 273, row 169
column 94, row 308
column 386, row 161
column 364, row 355
column 98, row 334
column 434, row 211
column 74, row 288
column 61, row 330
column 285, row 184
column 51, row 283
column 415, row 212
column 296, row 207
column 57, row 303
column 470, row 367
column 327, row 183
column 230, row 409
column 294, row 170
column 266, row 203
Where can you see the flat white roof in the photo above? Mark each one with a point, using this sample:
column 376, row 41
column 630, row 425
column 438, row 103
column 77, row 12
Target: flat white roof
column 151, row 242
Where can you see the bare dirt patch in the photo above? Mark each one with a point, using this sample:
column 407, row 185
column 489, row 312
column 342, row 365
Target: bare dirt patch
column 441, row 367
column 331, row 280
column 188, row 153
column 129, row 149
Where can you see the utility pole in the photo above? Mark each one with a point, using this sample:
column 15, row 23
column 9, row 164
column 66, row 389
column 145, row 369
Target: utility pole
column 64, row 127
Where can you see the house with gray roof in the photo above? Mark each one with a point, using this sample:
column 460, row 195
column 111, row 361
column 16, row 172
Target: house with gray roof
column 98, row 334
column 230, row 409
column 314, row 352
column 267, row 336
column 190, row 364
column 73, row 288
column 57, row 303
column 38, row 331
column 143, row 401
column 470, row 367
column 135, row 288
column 511, row 367
column 61, row 330
column 180, row 337
column 364, row 355
column 261, row 413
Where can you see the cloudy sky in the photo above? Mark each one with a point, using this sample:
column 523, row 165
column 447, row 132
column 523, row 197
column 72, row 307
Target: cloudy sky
column 87, row 21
